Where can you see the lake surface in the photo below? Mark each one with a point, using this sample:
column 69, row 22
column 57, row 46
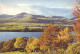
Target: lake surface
column 4, row 36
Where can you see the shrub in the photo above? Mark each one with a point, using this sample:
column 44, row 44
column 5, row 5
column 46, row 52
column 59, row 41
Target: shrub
column 8, row 45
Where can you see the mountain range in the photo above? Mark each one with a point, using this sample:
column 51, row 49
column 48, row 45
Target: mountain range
column 30, row 18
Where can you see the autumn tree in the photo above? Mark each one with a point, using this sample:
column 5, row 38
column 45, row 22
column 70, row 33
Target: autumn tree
column 48, row 38
column 73, row 48
column 64, row 38
column 32, row 44
column 20, row 42
column 29, row 41
column 76, row 14
column 1, row 44
column 8, row 45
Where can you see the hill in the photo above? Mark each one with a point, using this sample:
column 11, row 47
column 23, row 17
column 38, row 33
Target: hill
column 30, row 18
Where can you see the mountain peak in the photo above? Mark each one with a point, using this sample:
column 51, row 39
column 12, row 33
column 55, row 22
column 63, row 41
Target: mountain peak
column 22, row 13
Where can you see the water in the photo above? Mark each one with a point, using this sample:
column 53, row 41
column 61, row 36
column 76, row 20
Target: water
column 4, row 36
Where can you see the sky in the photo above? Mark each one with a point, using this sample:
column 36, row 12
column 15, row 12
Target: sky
column 38, row 7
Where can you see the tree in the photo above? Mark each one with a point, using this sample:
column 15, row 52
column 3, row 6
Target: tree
column 1, row 44
column 73, row 48
column 8, row 45
column 76, row 14
column 32, row 45
column 20, row 42
column 29, row 41
column 64, row 38
column 48, row 38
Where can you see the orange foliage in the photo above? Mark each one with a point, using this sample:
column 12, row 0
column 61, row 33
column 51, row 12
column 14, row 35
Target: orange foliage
column 64, row 37
column 48, row 37
column 8, row 45
column 76, row 14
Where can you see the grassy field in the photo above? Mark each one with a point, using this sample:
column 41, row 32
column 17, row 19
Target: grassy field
column 16, row 52
column 20, row 26
column 23, row 27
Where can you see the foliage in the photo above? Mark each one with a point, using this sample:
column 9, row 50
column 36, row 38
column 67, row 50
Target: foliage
column 8, row 45
column 17, row 52
column 20, row 42
column 64, row 38
column 76, row 14
column 32, row 44
column 58, row 51
column 73, row 48
column 1, row 44
column 48, row 37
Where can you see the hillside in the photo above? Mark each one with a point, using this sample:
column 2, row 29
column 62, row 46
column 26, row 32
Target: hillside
column 29, row 18
column 31, row 23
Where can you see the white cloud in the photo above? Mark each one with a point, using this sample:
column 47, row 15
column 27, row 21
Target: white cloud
column 34, row 11
column 29, row 8
column 26, row 5
column 23, row 5
column 4, row 9
column 69, row 7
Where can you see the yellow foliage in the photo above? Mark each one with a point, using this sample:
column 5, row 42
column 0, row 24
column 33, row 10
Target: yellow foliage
column 32, row 44
column 20, row 42
column 73, row 48
column 64, row 34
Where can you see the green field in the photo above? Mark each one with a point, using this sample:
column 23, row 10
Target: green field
column 26, row 27
column 16, row 52
column 21, row 27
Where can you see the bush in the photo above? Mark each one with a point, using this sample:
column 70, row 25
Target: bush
column 32, row 45
column 73, row 48
column 8, row 45
column 20, row 42
column 1, row 45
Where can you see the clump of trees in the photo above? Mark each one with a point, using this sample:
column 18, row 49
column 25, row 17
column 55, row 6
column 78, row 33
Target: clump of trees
column 53, row 39
column 48, row 38
column 8, row 45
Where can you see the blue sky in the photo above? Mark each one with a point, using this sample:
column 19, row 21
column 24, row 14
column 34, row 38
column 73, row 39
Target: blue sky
column 39, row 7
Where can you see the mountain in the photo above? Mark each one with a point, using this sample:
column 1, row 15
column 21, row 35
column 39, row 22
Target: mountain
column 21, row 15
column 73, row 18
column 5, row 16
column 57, row 17
column 30, row 18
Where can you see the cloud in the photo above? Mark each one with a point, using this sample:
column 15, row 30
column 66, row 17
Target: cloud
column 23, row 5
column 36, row 9
column 4, row 9
column 26, row 5
column 69, row 7
column 29, row 8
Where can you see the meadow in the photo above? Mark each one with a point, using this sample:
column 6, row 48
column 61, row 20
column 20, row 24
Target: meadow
column 26, row 27
column 22, row 27
column 17, row 52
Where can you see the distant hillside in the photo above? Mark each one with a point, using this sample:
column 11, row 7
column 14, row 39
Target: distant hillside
column 5, row 16
column 57, row 17
column 30, row 18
